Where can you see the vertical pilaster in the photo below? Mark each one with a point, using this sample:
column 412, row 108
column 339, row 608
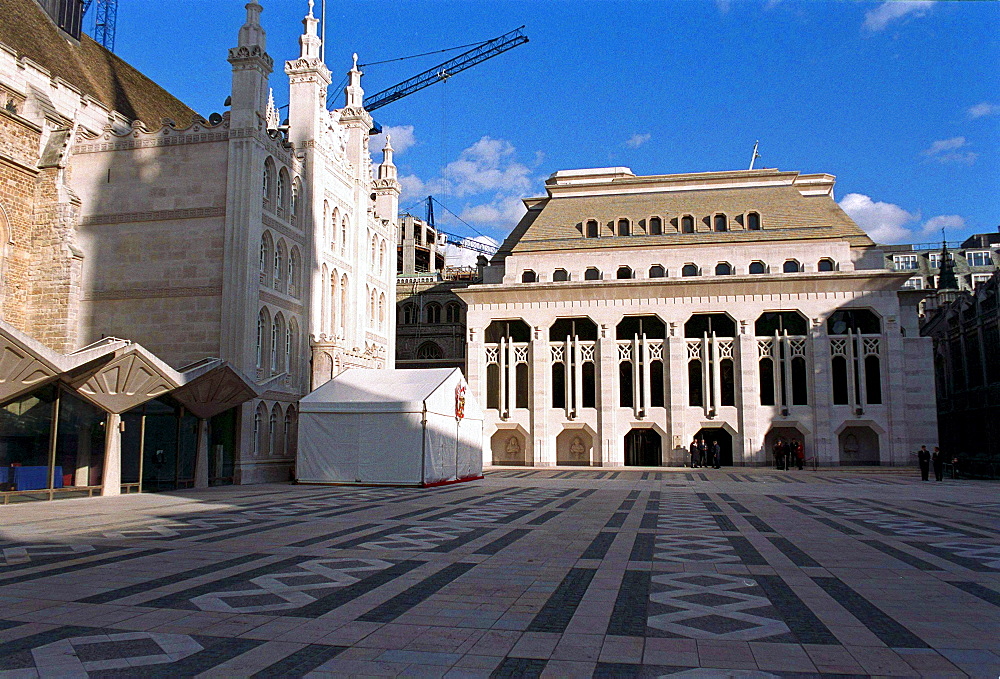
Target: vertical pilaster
column 112, row 456
column 611, row 452
column 201, row 456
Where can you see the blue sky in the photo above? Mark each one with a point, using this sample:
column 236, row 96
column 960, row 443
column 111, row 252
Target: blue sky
column 899, row 100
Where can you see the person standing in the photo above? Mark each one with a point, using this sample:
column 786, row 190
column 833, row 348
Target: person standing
column 924, row 460
column 779, row 453
column 800, row 453
column 702, row 453
column 694, row 453
column 937, row 460
column 716, row 455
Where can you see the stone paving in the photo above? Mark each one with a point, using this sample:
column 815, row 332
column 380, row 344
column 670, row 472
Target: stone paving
column 530, row 572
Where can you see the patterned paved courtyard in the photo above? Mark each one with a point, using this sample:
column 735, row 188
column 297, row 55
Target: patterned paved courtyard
column 749, row 573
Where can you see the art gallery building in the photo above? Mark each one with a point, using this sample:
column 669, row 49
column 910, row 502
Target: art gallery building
column 626, row 315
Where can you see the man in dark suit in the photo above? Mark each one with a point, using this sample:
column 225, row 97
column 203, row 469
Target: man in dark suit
column 924, row 459
column 716, row 455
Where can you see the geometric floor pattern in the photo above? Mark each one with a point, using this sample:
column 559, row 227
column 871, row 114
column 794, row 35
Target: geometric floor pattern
column 530, row 572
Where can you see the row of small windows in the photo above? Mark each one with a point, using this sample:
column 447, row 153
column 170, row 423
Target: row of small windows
column 280, row 194
column 275, row 434
column 409, row 314
column 277, row 344
column 656, row 226
column 690, row 269
column 333, row 311
column 335, row 227
column 280, row 268
column 376, row 309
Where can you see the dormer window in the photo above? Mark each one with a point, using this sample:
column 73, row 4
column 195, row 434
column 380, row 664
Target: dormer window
column 723, row 269
column 529, row 276
column 560, row 275
column 721, row 223
column 757, row 268
column 791, row 266
column 624, row 272
column 592, row 229
column 689, row 270
column 592, row 274
column 657, row 271
column 826, row 264
column 624, row 227
column 753, row 221
column 687, row 224
column 655, row 226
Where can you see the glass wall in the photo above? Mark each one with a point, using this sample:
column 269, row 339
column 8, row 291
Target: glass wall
column 25, row 444
column 80, row 441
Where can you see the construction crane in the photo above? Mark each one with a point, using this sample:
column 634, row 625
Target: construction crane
column 104, row 21
column 457, row 241
column 440, row 73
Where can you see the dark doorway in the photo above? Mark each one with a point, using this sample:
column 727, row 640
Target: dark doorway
column 725, row 440
column 642, row 448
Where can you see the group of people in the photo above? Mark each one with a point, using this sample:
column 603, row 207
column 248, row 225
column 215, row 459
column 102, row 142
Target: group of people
column 927, row 459
column 788, row 453
column 700, row 452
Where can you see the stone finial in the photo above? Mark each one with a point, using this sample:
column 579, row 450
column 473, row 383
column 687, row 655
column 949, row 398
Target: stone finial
column 354, row 66
column 353, row 94
column 252, row 33
column 311, row 3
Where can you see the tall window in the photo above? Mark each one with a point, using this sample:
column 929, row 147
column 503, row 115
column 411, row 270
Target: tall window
column 294, row 208
column 453, row 312
column 277, row 341
column 381, row 311
column 593, row 230
column 753, row 221
column 408, row 314
column 782, row 340
column 266, row 259
column 640, row 363
column 344, row 297
column 624, row 227
column 293, row 347
column 507, row 349
column 711, row 370
column 268, row 186
column 263, row 323
column 279, row 266
column 433, row 313
column 687, row 224
column 343, row 235
column 281, row 196
column 855, row 348
column 721, row 223
column 572, row 346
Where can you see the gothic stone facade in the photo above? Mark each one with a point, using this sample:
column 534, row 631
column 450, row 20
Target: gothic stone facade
column 122, row 213
column 626, row 315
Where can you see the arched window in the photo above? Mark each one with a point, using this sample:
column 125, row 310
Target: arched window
column 294, row 208
column 689, row 270
column 408, row 314
column 263, row 324
column 292, row 347
column 859, row 321
column 381, row 257
column 757, row 268
column 343, row 235
column 259, row 433
column 374, row 251
column 433, row 313
column 624, row 272
column 273, row 435
column 325, row 226
column 291, row 431
column 293, row 272
column 826, row 264
column 624, row 227
column 560, row 275
column 334, row 221
column 790, row 266
column 687, row 224
column 721, row 223
column 429, row 351
column 266, row 258
column 381, row 311
column 753, row 221
column 281, row 195
column 529, row 276
column 453, row 312
column 657, row 271
column 280, row 259
column 268, row 183
column 592, row 229
column 655, row 226
column 277, row 343
column 344, row 297
column 723, row 269
column 592, row 274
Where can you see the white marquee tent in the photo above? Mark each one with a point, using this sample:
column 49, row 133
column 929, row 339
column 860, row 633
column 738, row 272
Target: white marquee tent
column 400, row 427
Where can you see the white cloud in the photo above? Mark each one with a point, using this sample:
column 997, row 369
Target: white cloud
column 456, row 256
column 880, row 17
column 412, row 187
column 487, row 165
column 637, row 140
column 724, row 5
column 934, row 225
column 888, row 223
column 948, row 151
column 884, row 222
column 983, row 109
column 402, row 138
column 503, row 210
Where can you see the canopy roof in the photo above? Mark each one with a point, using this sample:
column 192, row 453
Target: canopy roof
column 388, row 391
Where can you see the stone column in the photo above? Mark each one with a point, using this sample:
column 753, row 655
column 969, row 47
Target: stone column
column 112, row 456
column 748, row 402
column 539, row 398
column 611, row 452
column 201, row 456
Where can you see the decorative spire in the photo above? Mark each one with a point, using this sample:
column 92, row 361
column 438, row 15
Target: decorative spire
column 947, row 279
column 310, row 44
column 251, row 33
column 387, row 170
column 353, row 94
column 271, row 113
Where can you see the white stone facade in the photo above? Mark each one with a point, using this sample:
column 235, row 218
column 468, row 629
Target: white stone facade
column 565, row 381
column 268, row 245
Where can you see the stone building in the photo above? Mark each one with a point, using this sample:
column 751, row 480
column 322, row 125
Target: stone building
column 123, row 214
column 966, row 336
column 430, row 318
column 975, row 260
column 626, row 315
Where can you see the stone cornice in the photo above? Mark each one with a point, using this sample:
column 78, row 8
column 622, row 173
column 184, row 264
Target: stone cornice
column 137, row 142
column 153, row 293
column 278, row 225
column 281, row 302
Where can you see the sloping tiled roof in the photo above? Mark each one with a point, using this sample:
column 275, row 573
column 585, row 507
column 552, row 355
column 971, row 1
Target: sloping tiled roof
column 785, row 214
column 28, row 30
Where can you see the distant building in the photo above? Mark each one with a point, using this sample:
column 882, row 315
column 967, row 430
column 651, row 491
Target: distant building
column 430, row 318
column 966, row 335
column 975, row 258
column 625, row 316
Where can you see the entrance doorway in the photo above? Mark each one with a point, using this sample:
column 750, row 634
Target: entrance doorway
column 785, row 434
column 725, row 440
column 642, row 448
column 859, row 446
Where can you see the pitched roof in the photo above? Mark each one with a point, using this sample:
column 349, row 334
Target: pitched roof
column 27, row 29
column 791, row 206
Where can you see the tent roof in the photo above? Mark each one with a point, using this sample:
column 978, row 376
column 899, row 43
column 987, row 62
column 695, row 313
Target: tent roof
column 366, row 390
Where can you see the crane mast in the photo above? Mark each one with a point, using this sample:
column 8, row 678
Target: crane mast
column 104, row 21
